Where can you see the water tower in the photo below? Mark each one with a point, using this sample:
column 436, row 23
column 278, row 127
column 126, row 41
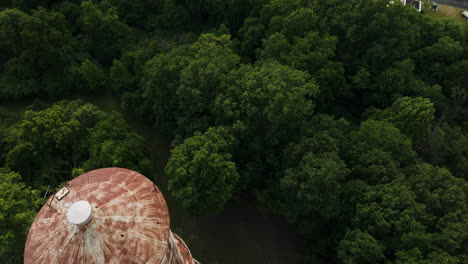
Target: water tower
column 110, row 215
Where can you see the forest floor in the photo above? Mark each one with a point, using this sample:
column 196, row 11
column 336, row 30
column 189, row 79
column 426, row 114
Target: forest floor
column 444, row 12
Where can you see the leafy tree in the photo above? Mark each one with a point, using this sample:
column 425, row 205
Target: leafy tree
column 179, row 87
column 457, row 83
column 251, row 34
column 312, row 189
column 273, row 12
column 419, row 217
column 213, row 12
column 448, row 146
column 377, row 150
column 270, row 101
column 270, row 94
column 104, row 35
column 377, row 27
column 298, row 23
column 72, row 11
column 442, row 53
column 159, row 84
column 136, row 13
column 112, row 144
column 308, row 180
column 202, row 80
column 275, row 46
column 241, row 113
column 208, row 9
column 120, row 77
column 51, row 134
column 360, row 247
column 23, row 5
column 313, row 54
column 47, row 145
column 383, row 88
column 18, row 204
column 171, row 16
column 439, row 190
column 37, row 51
column 25, row 158
column 201, row 173
column 412, row 116
column 415, row 256
column 88, row 76
column 127, row 72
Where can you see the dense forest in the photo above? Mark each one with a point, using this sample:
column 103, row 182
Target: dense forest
column 348, row 118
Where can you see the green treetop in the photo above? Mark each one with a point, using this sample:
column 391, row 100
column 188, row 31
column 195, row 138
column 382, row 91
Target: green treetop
column 18, row 207
column 201, row 173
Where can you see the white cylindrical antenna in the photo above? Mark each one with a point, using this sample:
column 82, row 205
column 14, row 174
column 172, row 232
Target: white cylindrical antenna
column 79, row 213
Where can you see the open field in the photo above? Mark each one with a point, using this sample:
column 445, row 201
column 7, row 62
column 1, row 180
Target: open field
column 444, row 12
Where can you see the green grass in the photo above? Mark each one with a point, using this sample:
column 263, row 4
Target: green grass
column 444, row 12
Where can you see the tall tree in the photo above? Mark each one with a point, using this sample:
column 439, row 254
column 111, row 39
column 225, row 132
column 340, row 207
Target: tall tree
column 37, row 51
column 47, row 145
column 413, row 116
column 271, row 101
column 315, row 54
column 18, row 206
column 201, row 173
column 179, row 87
column 104, row 35
column 202, row 80
column 377, row 150
column 311, row 188
column 88, row 76
column 419, row 216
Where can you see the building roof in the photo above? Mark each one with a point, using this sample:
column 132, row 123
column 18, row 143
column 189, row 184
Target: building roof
column 129, row 222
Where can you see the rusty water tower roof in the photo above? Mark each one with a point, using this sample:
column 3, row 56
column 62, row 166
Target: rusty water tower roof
column 128, row 222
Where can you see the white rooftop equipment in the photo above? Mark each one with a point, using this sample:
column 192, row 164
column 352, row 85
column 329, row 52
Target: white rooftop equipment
column 79, row 213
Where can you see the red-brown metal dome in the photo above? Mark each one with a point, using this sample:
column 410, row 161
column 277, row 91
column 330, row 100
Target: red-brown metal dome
column 129, row 223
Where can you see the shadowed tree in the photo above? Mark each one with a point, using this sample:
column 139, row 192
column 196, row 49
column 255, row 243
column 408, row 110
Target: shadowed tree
column 37, row 51
column 201, row 173
column 377, row 150
column 47, row 145
column 104, row 35
column 271, row 101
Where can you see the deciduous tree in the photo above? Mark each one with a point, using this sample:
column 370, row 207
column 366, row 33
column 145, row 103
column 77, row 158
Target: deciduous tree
column 18, row 206
column 37, row 51
column 202, row 175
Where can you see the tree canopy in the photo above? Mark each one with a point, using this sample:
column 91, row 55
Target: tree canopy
column 349, row 119
column 47, row 145
column 19, row 204
column 202, row 174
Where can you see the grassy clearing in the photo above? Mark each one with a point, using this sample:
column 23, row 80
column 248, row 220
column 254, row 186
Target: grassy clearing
column 444, row 12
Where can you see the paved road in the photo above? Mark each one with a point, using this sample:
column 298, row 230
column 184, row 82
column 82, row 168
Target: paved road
column 463, row 4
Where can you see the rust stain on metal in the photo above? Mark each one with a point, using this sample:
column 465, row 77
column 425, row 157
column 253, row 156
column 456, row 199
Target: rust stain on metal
column 129, row 223
column 184, row 253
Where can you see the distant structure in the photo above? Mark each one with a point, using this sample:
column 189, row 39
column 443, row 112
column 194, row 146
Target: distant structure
column 109, row 215
column 464, row 15
column 414, row 3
